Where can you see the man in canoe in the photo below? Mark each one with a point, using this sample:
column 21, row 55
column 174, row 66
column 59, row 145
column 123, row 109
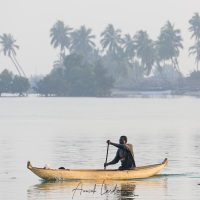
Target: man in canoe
column 124, row 153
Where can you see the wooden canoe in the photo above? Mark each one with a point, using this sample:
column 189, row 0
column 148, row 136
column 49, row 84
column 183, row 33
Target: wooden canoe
column 97, row 174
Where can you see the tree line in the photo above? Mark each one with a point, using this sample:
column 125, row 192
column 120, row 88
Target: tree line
column 76, row 77
column 124, row 58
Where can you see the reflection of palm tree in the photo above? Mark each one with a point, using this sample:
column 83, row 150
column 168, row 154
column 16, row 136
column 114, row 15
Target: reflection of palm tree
column 195, row 30
column 168, row 45
column 145, row 50
column 8, row 48
column 111, row 39
column 60, row 36
column 82, row 41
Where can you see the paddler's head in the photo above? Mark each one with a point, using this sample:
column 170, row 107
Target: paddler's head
column 123, row 139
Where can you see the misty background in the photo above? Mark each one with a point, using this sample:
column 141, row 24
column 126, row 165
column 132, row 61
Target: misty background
column 30, row 22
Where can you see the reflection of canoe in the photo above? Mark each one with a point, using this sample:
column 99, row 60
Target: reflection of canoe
column 52, row 185
column 97, row 174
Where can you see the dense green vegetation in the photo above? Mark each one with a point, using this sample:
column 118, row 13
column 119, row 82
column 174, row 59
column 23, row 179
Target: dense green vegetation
column 10, row 83
column 76, row 78
column 125, row 61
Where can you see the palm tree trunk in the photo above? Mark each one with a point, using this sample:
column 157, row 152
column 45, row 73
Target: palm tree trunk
column 179, row 71
column 15, row 65
column 19, row 65
column 176, row 67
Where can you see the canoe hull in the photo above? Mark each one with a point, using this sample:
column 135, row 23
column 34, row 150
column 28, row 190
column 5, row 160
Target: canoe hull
column 97, row 174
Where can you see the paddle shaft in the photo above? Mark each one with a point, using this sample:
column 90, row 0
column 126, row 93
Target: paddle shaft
column 107, row 155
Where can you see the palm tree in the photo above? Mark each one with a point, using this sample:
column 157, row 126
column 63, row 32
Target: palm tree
column 195, row 26
column 123, row 58
column 82, row 42
column 8, row 47
column 111, row 39
column 196, row 50
column 129, row 46
column 59, row 63
column 60, row 36
column 195, row 30
column 169, row 44
column 145, row 50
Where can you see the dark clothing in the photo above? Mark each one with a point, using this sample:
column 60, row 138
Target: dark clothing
column 125, row 154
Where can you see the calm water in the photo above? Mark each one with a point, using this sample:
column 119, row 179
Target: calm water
column 72, row 132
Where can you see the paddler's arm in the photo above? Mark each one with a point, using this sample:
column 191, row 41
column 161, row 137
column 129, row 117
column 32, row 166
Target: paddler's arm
column 114, row 161
column 120, row 146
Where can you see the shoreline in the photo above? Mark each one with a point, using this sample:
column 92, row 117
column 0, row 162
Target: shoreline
column 151, row 93
column 116, row 93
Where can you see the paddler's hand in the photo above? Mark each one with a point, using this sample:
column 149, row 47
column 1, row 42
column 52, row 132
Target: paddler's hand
column 106, row 164
column 108, row 141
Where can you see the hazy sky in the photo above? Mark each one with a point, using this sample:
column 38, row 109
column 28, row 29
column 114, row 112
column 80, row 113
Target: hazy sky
column 30, row 21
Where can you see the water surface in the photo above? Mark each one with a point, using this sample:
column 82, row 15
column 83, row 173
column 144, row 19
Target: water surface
column 72, row 132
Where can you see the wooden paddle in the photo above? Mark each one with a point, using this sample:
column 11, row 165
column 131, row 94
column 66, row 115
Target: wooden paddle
column 106, row 155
